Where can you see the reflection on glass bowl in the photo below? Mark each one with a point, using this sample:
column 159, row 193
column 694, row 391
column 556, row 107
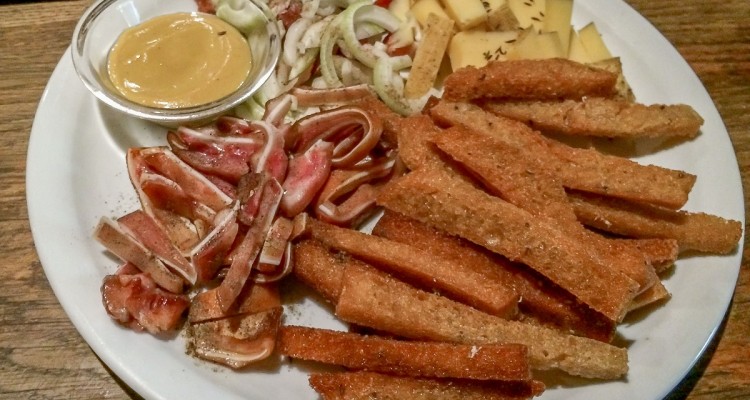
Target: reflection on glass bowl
column 104, row 21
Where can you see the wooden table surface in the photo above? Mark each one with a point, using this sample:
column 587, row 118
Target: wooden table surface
column 43, row 357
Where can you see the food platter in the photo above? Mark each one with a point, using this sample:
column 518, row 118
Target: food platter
column 76, row 174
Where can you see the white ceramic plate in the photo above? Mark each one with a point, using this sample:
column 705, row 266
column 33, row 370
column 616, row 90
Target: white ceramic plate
column 76, row 174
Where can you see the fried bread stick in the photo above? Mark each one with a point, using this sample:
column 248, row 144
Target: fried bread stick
column 515, row 176
column 372, row 385
column 510, row 172
column 582, row 169
column 622, row 87
column 455, row 280
column 661, row 253
column 319, row 268
column 529, row 79
column 505, row 362
column 622, row 178
column 692, row 230
column 657, row 292
column 538, row 297
column 390, row 305
column 603, row 117
column 458, row 208
column 414, row 148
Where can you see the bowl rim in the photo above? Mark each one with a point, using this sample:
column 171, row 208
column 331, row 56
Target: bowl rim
column 169, row 115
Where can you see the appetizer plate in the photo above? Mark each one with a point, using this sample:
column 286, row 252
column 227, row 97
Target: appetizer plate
column 76, row 174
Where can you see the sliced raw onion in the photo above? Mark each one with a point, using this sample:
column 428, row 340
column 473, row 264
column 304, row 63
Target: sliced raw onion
column 352, row 72
column 250, row 110
column 309, row 8
column 303, row 64
column 367, row 30
column 364, row 11
column 389, row 85
column 327, row 43
column 240, row 14
column 292, row 38
column 313, row 35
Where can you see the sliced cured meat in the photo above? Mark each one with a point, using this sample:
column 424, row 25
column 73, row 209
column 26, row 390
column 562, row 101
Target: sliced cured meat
column 136, row 301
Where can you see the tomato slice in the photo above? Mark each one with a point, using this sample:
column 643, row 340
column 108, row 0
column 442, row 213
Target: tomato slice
column 383, row 3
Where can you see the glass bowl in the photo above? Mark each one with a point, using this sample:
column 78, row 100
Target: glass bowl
column 102, row 23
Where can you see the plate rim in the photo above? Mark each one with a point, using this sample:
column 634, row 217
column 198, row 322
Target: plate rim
column 125, row 373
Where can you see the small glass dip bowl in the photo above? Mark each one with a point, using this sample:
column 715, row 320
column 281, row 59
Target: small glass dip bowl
column 101, row 25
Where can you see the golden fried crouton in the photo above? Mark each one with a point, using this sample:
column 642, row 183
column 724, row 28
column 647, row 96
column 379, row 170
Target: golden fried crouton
column 371, row 385
column 529, row 79
column 457, row 208
column 374, row 300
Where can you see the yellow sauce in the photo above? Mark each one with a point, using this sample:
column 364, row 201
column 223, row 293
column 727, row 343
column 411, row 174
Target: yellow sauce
column 179, row 60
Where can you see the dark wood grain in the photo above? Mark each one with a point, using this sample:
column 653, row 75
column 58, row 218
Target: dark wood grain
column 43, row 357
column 714, row 37
column 41, row 354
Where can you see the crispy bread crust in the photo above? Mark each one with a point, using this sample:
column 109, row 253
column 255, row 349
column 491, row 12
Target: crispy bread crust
column 603, row 117
column 478, row 289
column 539, row 298
column 371, row 385
column 379, row 301
column 319, row 268
column 459, row 209
column 413, row 138
column 654, row 294
column 692, row 230
column 661, row 253
column 582, row 169
column 529, row 79
column 506, row 362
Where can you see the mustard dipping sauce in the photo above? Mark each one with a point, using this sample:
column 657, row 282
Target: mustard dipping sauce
column 179, row 60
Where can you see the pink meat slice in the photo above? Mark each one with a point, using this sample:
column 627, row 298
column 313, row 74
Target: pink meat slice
column 227, row 156
column 272, row 158
column 144, row 229
column 246, row 254
column 253, row 299
column 191, row 181
column 128, row 249
column 237, row 341
column 359, row 130
column 165, row 194
column 308, row 173
column 208, row 256
column 137, row 302
column 275, row 244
